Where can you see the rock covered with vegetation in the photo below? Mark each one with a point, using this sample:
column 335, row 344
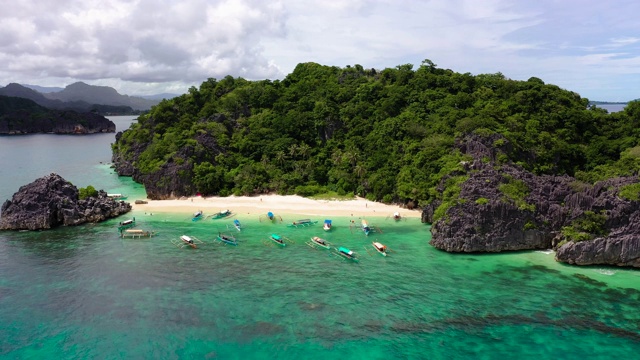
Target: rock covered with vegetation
column 497, row 164
column 52, row 201
column 23, row 116
column 491, row 207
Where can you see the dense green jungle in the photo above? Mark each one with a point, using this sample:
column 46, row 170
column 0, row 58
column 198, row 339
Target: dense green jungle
column 388, row 135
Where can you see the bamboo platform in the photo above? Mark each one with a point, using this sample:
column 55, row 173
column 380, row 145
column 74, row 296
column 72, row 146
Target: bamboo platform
column 136, row 234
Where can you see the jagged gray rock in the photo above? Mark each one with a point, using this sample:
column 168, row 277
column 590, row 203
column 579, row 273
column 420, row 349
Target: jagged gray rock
column 52, row 201
column 498, row 224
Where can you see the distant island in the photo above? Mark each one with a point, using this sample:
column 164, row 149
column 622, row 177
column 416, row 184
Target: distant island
column 593, row 102
column 82, row 97
column 23, row 116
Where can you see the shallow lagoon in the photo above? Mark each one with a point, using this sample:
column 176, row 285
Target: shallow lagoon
column 84, row 292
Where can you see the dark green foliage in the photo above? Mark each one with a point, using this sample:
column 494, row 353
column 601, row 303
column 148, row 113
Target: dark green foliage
column 630, row 192
column 586, row 227
column 382, row 134
column 89, row 191
column 516, row 191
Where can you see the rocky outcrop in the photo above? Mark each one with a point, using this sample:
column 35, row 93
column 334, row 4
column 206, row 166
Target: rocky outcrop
column 174, row 178
column 52, row 201
column 485, row 219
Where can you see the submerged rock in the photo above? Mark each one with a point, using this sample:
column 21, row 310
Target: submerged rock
column 52, row 201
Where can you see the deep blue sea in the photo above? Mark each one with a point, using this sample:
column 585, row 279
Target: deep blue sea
column 84, row 293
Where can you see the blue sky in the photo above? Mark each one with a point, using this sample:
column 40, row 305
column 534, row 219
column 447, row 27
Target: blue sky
column 154, row 46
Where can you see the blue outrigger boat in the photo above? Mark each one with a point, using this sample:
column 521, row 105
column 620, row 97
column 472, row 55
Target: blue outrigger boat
column 365, row 227
column 270, row 217
column 236, row 223
column 327, row 225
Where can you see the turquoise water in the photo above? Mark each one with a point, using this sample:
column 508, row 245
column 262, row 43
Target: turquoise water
column 83, row 292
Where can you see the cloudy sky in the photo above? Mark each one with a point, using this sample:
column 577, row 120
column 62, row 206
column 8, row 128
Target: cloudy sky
column 153, row 46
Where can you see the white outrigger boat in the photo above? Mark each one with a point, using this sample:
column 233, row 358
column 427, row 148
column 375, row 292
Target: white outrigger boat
column 186, row 240
column 318, row 242
column 380, row 248
column 117, row 196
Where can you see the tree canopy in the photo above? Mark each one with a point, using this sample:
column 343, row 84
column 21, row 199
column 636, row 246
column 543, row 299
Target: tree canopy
column 386, row 134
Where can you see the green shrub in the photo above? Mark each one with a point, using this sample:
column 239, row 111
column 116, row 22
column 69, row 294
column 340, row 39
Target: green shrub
column 586, row 227
column 482, row 201
column 630, row 192
column 516, row 191
column 89, row 191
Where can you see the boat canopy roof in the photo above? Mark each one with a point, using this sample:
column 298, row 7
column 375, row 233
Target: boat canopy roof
column 277, row 237
column 185, row 238
column 345, row 250
column 270, row 214
column 236, row 221
column 327, row 221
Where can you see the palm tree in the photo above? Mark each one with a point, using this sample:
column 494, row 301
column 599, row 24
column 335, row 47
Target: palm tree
column 280, row 157
column 293, row 150
column 303, row 150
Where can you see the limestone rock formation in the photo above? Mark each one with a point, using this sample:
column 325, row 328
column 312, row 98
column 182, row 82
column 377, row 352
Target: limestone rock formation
column 485, row 219
column 174, row 178
column 52, row 201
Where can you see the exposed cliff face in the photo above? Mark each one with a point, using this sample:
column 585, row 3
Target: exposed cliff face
column 51, row 201
column 175, row 178
column 497, row 223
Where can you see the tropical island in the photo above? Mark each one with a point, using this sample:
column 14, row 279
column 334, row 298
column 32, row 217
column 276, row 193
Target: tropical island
column 496, row 164
column 23, row 116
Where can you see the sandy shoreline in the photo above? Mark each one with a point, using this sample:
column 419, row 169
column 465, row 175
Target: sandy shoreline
column 278, row 204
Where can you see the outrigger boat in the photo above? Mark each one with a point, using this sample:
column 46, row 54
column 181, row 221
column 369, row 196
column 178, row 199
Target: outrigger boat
column 347, row 254
column 117, row 196
column 396, row 216
column 278, row 240
column 382, row 249
column 365, row 227
column 236, row 223
column 221, row 214
column 197, row 215
column 316, row 242
column 303, row 222
column 271, row 217
column 227, row 239
column 186, row 240
column 136, row 233
column 327, row 225
column 126, row 224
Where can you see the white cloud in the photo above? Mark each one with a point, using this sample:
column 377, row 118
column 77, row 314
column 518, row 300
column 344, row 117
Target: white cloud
column 147, row 46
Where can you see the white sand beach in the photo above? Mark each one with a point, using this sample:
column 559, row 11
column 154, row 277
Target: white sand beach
column 278, row 204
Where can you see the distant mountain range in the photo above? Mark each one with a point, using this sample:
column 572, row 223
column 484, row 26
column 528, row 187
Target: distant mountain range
column 83, row 97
